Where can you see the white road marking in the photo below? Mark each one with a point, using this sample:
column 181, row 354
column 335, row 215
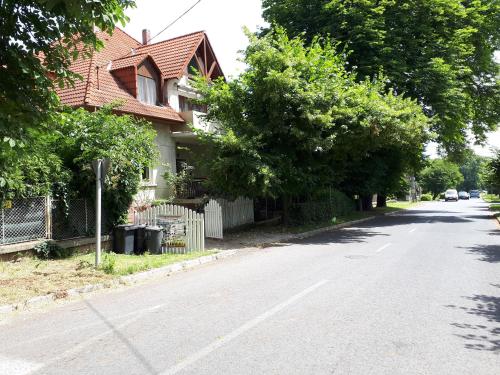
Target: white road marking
column 239, row 331
column 412, row 230
column 17, row 367
column 75, row 349
column 383, row 247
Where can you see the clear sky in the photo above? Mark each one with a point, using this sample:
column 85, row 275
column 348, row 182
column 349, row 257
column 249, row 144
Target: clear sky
column 223, row 21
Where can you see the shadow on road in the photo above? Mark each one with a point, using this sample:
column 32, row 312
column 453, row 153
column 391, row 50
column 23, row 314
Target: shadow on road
column 485, row 336
column 345, row 236
column 140, row 357
column 422, row 217
column 488, row 253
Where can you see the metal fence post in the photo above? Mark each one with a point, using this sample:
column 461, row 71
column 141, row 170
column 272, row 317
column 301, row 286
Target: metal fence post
column 48, row 217
column 3, row 226
column 86, row 217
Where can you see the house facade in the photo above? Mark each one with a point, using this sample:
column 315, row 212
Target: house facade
column 150, row 80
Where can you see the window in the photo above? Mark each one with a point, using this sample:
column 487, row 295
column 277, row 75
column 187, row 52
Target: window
column 147, row 90
column 146, row 174
column 186, row 105
column 193, row 67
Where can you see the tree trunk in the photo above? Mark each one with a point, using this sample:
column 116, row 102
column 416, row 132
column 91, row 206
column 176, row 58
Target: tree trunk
column 381, row 200
column 366, row 202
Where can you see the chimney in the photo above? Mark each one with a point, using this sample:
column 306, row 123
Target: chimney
column 146, row 36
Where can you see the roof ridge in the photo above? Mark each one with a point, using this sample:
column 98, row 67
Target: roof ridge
column 169, row 40
column 129, row 56
column 130, row 36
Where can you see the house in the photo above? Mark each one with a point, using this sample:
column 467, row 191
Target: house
column 152, row 81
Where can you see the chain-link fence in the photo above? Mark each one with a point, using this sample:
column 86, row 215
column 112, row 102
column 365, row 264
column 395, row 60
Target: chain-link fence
column 73, row 219
column 23, row 220
column 30, row 219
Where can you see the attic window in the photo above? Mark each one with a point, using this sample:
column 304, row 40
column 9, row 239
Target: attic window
column 147, row 90
column 193, row 67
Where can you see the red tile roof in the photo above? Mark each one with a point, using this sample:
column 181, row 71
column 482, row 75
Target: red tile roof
column 99, row 86
column 173, row 55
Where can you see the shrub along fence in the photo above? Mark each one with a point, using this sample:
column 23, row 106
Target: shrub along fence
column 29, row 219
column 321, row 208
column 222, row 214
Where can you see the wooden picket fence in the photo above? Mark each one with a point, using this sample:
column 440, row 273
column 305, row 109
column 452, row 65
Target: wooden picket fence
column 223, row 214
column 195, row 227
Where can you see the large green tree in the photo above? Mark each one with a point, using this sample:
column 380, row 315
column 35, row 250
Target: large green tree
column 440, row 52
column 490, row 176
column 471, row 169
column 38, row 41
column 295, row 121
column 440, row 175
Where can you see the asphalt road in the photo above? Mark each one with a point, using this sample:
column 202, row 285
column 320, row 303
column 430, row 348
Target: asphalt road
column 417, row 293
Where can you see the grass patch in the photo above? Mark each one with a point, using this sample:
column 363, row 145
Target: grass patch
column 29, row 276
column 495, row 207
column 491, row 198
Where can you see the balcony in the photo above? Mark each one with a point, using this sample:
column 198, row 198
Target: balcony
column 192, row 190
column 196, row 119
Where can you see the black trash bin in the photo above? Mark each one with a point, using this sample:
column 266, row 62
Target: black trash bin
column 140, row 239
column 123, row 239
column 154, row 237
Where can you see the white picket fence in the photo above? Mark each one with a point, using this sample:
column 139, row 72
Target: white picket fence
column 223, row 214
column 195, row 227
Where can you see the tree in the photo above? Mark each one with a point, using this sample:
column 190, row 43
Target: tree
column 491, row 174
column 84, row 136
column 438, row 52
column 59, row 163
column 295, row 119
column 38, row 42
column 439, row 176
column 471, row 170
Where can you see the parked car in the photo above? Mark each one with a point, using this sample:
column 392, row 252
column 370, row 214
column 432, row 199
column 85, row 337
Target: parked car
column 451, row 195
column 475, row 194
column 463, row 195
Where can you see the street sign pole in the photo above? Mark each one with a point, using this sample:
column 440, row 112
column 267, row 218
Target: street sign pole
column 98, row 213
column 100, row 167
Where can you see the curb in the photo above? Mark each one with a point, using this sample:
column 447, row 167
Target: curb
column 303, row 235
column 42, row 301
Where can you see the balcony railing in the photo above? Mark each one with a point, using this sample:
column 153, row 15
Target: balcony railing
column 193, row 189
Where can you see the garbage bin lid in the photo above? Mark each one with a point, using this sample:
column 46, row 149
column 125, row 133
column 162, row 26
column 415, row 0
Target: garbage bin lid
column 126, row 227
column 154, row 229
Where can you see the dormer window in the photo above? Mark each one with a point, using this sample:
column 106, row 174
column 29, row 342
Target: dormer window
column 146, row 90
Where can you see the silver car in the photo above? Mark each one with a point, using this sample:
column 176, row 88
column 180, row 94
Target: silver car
column 451, row 195
column 463, row 195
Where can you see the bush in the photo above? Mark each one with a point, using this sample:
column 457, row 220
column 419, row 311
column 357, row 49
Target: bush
column 49, row 250
column 108, row 263
column 426, row 197
column 323, row 206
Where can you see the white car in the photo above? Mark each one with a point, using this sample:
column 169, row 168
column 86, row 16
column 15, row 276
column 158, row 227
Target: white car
column 451, row 195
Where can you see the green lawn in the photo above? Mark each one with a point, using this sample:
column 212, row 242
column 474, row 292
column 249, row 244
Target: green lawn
column 29, row 276
column 491, row 198
column 495, row 207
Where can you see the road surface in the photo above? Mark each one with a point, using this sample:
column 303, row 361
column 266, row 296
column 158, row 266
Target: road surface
column 416, row 293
